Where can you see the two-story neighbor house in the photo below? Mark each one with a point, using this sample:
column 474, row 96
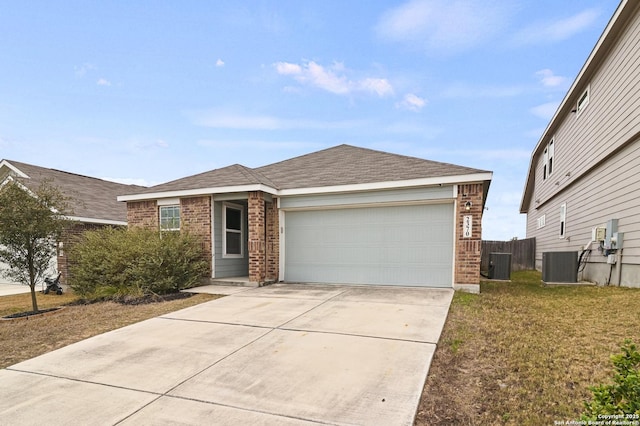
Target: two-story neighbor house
column 93, row 201
column 341, row 215
column 585, row 169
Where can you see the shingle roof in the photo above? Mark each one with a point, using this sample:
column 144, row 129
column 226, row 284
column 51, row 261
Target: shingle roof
column 234, row 175
column 339, row 165
column 92, row 198
column 347, row 165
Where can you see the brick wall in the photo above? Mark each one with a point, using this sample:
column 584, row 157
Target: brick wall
column 273, row 241
column 142, row 213
column 257, row 246
column 195, row 219
column 467, row 267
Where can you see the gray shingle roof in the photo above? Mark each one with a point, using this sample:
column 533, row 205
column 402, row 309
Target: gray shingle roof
column 91, row 197
column 348, row 165
column 234, row 175
column 339, row 165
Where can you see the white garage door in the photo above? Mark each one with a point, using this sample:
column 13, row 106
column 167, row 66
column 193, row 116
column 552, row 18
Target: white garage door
column 398, row 245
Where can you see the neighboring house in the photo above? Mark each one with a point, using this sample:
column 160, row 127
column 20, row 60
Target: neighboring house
column 340, row 215
column 93, row 201
column 584, row 171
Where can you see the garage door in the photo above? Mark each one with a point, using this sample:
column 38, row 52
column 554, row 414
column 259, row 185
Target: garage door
column 397, row 245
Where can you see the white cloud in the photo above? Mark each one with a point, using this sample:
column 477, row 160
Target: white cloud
column 545, row 110
column 84, row 68
column 103, row 82
column 557, row 30
column 219, row 63
column 379, row 86
column 442, row 25
column 411, row 102
column 223, row 120
column 287, row 68
column 333, row 79
column 549, row 79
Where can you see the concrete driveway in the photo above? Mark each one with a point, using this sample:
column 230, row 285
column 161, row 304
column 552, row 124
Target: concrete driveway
column 7, row 289
column 278, row 355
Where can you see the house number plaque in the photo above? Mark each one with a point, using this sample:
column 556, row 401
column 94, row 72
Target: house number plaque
column 467, row 227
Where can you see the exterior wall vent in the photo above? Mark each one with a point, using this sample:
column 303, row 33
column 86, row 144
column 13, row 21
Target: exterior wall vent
column 560, row 266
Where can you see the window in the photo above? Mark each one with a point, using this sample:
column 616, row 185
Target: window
column 548, row 156
column 583, row 100
column 541, row 221
column 563, row 220
column 170, row 218
column 232, row 220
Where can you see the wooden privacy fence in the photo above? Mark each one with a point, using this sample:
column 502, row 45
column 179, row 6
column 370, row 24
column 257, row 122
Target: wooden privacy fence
column 523, row 253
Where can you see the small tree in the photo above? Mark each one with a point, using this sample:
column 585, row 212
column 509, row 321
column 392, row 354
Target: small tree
column 30, row 224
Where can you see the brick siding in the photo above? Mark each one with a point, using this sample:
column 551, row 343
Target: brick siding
column 142, row 213
column 467, row 262
column 195, row 219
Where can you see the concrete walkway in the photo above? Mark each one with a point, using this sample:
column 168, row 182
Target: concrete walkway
column 278, row 355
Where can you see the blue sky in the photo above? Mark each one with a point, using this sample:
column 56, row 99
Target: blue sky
column 150, row 91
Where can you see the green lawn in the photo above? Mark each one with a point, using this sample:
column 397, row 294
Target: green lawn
column 524, row 354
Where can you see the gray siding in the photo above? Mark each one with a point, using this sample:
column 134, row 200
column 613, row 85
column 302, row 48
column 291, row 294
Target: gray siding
column 229, row 267
column 385, row 196
column 596, row 161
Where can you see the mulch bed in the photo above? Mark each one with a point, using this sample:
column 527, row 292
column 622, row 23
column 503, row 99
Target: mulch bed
column 130, row 300
column 30, row 313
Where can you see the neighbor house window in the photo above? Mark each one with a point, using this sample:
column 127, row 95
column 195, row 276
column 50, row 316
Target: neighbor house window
column 170, row 218
column 232, row 219
column 563, row 220
column 583, row 100
column 541, row 221
column 547, row 167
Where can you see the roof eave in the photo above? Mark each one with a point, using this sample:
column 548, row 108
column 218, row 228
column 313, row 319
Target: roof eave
column 20, row 173
column 97, row 220
column 440, row 180
column 197, row 192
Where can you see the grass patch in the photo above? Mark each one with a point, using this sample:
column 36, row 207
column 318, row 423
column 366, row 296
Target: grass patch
column 524, row 354
column 24, row 339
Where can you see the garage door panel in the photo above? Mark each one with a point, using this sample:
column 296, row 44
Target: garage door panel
column 399, row 245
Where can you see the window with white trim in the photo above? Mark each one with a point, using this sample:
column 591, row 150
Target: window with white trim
column 563, row 220
column 170, row 218
column 541, row 221
column 233, row 230
column 548, row 156
column 583, row 100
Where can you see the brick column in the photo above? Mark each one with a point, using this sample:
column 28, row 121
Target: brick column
column 467, row 261
column 273, row 241
column 257, row 253
column 195, row 218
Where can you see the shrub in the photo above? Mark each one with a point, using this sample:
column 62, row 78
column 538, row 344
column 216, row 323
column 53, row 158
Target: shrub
column 623, row 396
column 117, row 263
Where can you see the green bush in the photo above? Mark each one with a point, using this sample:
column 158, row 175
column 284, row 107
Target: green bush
column 623, row 396
column 119, row 263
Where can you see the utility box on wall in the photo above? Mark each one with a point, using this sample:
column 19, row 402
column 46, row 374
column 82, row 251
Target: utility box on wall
column 500, row 266
column 560, row 266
